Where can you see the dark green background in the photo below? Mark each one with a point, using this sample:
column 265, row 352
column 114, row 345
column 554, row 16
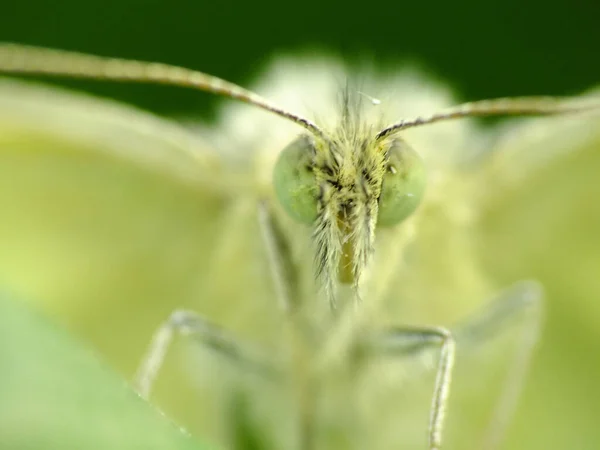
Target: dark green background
column 484, row 48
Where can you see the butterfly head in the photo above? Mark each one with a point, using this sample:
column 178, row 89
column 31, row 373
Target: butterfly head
column 345, row 184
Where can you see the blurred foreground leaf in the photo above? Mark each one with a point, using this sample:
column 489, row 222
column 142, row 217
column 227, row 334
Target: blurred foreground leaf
column 55, row 395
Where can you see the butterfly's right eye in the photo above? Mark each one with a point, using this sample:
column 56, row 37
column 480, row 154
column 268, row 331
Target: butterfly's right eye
column 295, row 184
column 403, row 184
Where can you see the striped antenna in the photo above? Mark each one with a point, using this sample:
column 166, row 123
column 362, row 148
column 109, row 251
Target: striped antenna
column 524, row 106
column 25, row 59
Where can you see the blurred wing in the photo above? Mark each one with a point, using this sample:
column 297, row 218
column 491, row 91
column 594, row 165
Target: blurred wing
column 540, row 219
column 111, row 218
column 527, row 210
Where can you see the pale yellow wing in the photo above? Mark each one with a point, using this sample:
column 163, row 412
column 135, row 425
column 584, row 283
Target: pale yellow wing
column 111, row 218
column 525, row 209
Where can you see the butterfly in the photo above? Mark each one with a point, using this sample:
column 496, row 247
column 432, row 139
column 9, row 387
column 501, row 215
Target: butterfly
column 345, row 206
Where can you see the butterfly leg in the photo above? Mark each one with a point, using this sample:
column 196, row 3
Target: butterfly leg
column 285, row 281
column 283, row 271
column 403, row 342
column 188, row 323
column 522, row 305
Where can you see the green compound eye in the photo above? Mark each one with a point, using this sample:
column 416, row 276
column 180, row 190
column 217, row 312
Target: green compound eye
column 294, row 181
column 403, row 185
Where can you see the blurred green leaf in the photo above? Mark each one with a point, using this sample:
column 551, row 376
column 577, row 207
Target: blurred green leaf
column 56, row 395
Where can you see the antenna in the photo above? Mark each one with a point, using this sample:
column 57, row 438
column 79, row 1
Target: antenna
column 497, row 107
column 25, row 59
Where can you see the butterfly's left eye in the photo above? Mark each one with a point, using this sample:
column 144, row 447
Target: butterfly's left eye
column 403, row 184
column 294, row 181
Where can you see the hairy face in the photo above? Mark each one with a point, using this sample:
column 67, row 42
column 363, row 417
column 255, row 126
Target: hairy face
column 343, row 185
